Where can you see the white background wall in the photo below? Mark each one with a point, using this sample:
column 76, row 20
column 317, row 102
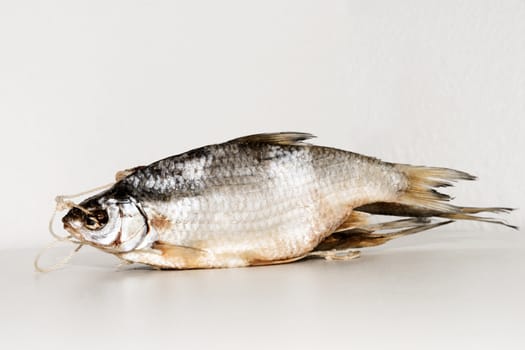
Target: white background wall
column 91, row 87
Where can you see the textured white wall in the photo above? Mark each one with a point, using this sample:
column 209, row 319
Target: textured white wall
column 91, row 87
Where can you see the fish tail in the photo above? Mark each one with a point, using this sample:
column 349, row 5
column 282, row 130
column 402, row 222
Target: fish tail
column 423, row 183
column 420, row 198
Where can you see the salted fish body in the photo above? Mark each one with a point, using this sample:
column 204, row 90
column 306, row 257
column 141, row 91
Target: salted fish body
column 261, row 199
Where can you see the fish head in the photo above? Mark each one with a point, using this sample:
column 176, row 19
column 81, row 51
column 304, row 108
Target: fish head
column 115, row 225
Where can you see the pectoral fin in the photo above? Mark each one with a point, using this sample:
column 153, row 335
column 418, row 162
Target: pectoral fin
column 168, row 256
column 176, row 250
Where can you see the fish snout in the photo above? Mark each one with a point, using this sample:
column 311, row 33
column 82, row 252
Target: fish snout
column 78, row 220
column 73, row 219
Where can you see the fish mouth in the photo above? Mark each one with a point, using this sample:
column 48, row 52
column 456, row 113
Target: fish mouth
column 68, row 227
column 72, row 225
column 71, row 230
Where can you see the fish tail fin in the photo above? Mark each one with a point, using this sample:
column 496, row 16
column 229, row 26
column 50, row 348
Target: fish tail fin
column 421, row 204
column 420, row 198
column 423, row 183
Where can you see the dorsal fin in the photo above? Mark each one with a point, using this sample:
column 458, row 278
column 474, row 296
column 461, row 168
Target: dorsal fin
column 278, row 138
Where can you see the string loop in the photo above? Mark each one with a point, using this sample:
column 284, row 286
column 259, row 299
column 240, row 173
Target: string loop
column 61, row 263
column 64, row 202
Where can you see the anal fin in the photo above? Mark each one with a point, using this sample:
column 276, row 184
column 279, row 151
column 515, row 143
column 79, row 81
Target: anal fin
column 370, row 235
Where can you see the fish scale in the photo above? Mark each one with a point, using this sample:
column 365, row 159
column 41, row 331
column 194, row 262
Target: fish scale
column 278, row 207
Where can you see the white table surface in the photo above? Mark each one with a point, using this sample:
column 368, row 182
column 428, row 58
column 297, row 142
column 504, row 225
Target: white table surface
column 440, row 289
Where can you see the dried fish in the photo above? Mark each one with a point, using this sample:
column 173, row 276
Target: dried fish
column 262, row 199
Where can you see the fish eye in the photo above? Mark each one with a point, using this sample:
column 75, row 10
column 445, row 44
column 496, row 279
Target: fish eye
column 96, row 220
column 91, row 223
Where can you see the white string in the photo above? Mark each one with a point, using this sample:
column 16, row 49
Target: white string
column 71, row 196
column 63, row 203
column 52, row 221
column 61, row 263
column 123, row 263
